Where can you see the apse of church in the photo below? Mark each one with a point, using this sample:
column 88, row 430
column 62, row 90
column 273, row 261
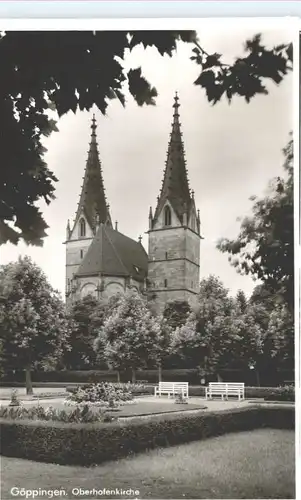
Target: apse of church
column 102, row 261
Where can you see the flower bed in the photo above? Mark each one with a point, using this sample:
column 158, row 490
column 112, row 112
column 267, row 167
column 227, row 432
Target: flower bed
column 102, row 394
column 83, row 414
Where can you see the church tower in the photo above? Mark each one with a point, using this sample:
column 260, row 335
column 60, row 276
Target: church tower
column 92, row 211
column 174, row 230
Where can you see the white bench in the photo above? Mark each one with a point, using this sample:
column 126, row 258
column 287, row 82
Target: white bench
column 225, row 389
column 172, row 389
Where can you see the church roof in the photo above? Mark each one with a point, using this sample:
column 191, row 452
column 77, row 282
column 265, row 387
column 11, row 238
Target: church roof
column 93, row 201
column 114, row 254
column 175, row 187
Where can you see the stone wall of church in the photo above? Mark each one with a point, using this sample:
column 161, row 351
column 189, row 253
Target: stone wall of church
column 192, row 246
column 162, row 297
column 173, row 270
column 168, row 240
column 75, row 252
column 170, row 271
column 76, row 248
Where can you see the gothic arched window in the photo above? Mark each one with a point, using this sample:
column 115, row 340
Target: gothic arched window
column 167, row 216
column 82, row 228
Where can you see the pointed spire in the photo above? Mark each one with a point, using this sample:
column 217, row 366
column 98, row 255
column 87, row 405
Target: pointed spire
column 140, row 239
column 175, row 185
column 150, row 218
column 68, row 230
column 116, row 225
column 92, row 199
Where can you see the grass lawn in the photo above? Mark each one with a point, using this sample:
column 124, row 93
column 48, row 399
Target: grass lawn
column 256, row 464
column 149, row 408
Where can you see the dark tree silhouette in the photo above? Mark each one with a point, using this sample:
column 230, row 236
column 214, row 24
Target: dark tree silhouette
column 66, row 71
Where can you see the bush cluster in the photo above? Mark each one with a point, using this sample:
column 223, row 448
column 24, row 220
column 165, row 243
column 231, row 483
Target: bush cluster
column 285, row 393
column 86, row 444
column 49, row 395
column 103, row 393
column 135, row 389
column 77, row 415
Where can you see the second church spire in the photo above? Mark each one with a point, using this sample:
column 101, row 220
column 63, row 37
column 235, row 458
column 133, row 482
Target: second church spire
column 175, row 187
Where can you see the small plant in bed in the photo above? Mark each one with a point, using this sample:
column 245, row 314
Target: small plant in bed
column 103, row 394
column 180, row 400
column 14, row 401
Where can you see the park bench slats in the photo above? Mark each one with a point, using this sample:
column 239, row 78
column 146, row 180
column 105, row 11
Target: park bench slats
column 172, row 389
column 225, row 389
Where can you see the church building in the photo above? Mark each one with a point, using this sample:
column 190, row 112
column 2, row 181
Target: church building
column 102, row 261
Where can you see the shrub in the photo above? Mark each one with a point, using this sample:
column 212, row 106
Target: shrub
column 80, row 414
column 49, row 395
column 180, row 399
column 14, row 398
column 285, row 393
column 86, row 444
column 102, row 393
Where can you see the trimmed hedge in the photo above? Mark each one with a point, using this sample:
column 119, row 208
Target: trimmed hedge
column 268, row 393
column 250, row 392
column 88, row 376
column 87, row 444
column 191, row 376
column 286, row 393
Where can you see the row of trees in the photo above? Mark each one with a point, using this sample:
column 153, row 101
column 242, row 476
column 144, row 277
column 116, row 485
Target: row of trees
column 218, row 332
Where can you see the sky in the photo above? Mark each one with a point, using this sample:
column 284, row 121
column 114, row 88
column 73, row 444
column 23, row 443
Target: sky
column 232, row 152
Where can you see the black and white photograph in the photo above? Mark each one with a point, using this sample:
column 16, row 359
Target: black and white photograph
column 147, row 333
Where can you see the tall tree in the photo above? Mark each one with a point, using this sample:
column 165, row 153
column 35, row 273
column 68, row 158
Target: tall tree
column 210, row 337
column 241, row 301
column 281, row 331
column 69, row 71
column 131, row 336
column 86, row 317
column 264, row 296
column 33, row 324
column 264, row 247
column 175, row 312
